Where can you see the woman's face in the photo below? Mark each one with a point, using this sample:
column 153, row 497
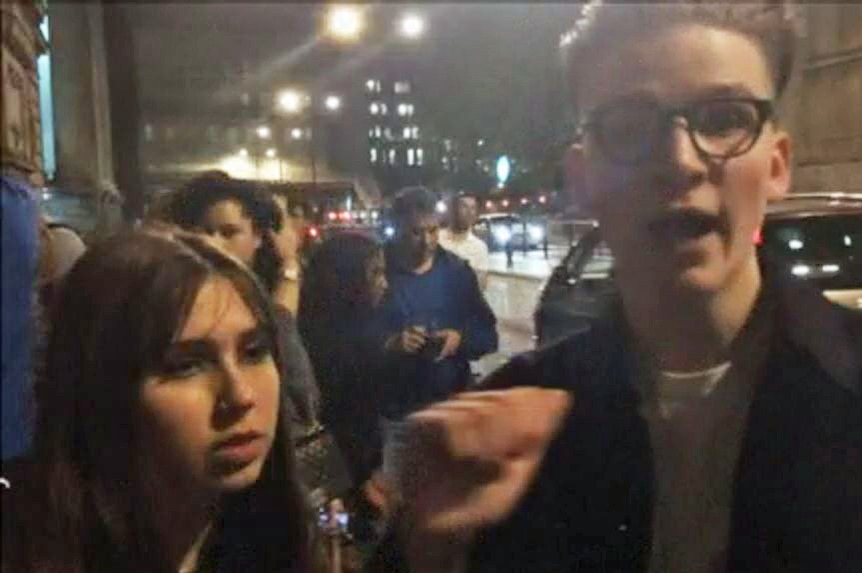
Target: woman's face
column 376, row 275
column 232, row 229
column 209, row 413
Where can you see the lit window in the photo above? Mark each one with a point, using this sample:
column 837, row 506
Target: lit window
column 402, row 109
column 373, row 152
column 402, row 87
column 384, row 109
column 447, row 144
column 392, row 157
column 411, row 156
column 374, row 108
column 388, row 133
column 407, row 132
column 46, row 104
column 369, row 85
column 415, row 132
column 377, row 131
column 149, row 132
column 371, row 132
column 410, row 110
column 420, row 156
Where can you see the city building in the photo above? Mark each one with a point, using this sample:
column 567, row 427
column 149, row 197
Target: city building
column 396, row 138
column 22, row 44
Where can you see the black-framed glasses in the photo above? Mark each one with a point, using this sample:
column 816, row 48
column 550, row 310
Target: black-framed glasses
column 719, row 128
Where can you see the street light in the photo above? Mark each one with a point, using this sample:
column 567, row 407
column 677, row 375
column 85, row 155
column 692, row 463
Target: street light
column 264, row 132
column 290, row 101
column 296, row 133
column 243, row 152
column 344, row 23
column 332, row 103
column 270, row 152
column 412, row 26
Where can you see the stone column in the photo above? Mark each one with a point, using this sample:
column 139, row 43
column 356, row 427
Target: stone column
column 81, row 99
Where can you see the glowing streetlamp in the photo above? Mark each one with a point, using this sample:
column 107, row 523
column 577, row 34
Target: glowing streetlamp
column 332, row 103
column 290, row 101
column 344, row 23
column 264, row 132
column 411, row 26
column 296, row 133
column 243, row 152
column 270, row 152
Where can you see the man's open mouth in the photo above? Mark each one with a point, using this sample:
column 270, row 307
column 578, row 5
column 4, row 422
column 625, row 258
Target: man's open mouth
column 685, row 224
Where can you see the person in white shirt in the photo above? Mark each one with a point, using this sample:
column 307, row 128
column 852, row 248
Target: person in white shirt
column 459, row 238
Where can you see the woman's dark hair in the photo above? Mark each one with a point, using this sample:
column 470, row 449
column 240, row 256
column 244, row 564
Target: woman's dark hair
column 189, row 206
column 335, row 284
column 120, row 308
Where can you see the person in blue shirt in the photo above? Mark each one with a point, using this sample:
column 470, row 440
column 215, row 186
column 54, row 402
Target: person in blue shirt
column 434, row 319
column 20, row 256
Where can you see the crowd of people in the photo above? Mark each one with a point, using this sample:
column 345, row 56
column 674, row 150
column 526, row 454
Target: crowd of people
column 226, row 348
column 712, row 421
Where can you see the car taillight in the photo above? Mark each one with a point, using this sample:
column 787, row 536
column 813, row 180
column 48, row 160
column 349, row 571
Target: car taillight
column 313, row 232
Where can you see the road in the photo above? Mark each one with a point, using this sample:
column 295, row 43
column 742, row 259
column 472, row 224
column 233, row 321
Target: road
column 513, row 294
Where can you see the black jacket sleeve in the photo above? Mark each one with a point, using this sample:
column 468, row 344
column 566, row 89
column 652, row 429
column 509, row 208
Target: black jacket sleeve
column 480, row 327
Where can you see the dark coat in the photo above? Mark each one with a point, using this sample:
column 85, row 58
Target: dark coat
column 798, row 489
column 446, row 297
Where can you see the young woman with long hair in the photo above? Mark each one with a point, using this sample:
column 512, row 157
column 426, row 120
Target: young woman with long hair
column 160, row 443
column 342, row 286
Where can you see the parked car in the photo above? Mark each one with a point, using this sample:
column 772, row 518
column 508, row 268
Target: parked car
column 500, row 230
column 816, row 237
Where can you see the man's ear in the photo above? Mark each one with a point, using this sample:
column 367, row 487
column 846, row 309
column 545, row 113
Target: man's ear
column 575, row 179
column 780, row 161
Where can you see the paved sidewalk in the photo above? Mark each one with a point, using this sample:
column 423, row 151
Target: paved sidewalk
column 532, row 265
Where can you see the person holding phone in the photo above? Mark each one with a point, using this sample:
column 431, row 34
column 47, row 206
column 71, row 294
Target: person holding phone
column 434, row 319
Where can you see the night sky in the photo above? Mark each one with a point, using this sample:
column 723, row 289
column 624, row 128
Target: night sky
column 482, row 70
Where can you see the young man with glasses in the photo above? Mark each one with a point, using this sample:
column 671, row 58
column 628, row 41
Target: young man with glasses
column 713, row 421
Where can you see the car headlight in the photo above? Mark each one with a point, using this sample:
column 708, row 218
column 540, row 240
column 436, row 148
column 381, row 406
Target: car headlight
column 389, row 231
column 502, row 235
column 537, row 233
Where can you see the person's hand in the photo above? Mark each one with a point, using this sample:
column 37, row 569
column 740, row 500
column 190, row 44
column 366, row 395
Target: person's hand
column 409, row 341
column 287, row 242
column 451, row 343
column 468, row 461
column 375, row 492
